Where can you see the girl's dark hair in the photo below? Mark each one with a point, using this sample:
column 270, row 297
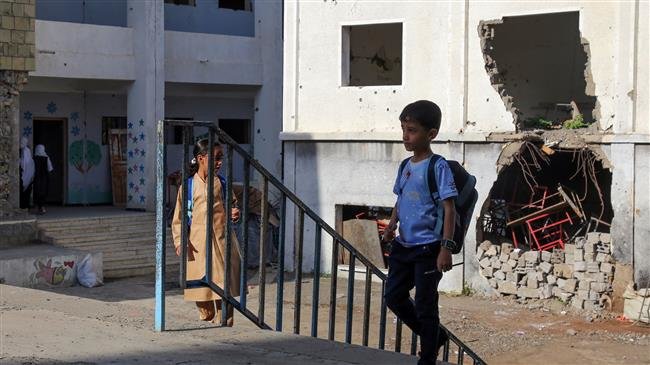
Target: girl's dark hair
column 200, row 149
column 424, row 112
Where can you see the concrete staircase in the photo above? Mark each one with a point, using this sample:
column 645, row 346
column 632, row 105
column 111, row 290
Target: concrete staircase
column 128, row 242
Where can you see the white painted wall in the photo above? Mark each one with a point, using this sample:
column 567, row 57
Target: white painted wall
column 83, row 51
column 434, row 65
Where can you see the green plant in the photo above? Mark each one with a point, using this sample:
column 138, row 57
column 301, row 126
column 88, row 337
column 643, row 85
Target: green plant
column 537, row 123
column 467, row 290
column 577, row 122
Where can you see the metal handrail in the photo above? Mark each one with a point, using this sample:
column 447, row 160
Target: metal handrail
column 302, row 211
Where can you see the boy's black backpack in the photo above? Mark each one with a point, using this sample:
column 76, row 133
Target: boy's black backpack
column 465, row 202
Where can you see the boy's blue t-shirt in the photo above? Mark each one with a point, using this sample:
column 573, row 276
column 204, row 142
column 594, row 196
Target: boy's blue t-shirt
column 416, row 210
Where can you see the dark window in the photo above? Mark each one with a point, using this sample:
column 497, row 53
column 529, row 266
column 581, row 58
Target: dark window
column 109, row 123
column 174, row 133
column 372, row 55
column 238, row 129
column 235, row 4
column 181, row 2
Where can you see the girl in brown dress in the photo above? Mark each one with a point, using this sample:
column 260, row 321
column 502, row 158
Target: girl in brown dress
column 207, row 301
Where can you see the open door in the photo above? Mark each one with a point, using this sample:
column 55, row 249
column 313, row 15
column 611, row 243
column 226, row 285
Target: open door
column 51, row 134
column 117, row 148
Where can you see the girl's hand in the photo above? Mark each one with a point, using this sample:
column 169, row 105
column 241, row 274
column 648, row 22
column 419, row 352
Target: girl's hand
column 235, row 214
column 178, row 250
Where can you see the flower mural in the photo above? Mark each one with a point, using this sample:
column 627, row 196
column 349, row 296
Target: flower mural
column 84, row 162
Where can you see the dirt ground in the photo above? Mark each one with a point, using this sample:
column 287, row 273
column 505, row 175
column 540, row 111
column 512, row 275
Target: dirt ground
column 501, row 331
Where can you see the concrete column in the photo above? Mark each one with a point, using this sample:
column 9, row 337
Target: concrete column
column 268, row 101
column 145, row 101
column 642, row 216
column 623, row 174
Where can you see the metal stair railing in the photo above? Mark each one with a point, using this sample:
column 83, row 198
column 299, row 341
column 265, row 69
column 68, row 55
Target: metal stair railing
column 303, row 212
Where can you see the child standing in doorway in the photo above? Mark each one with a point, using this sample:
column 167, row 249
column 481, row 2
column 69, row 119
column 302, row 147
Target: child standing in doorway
column 207, row 301
column 422, row 250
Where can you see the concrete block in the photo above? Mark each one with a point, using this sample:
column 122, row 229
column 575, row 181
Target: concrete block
column 603, row 257
column 487, row 272
column 22, row 23
column 557, row 291
column 5, row 35
column 540, row 276
column 512, row 263
column 551, row 279
column 592, row 306
column 584, row 285
column 506, row 248
column 506, row 267
column 499, row 275
column 504, row 257
column 579, row 242
column 546, row 291
column 564, row 296
column 563, row 271
column 546, row 267
column 578, row 254
column 532, row 282
column 606, row 268
column 600, row 287
column 594, row 295
column 593, row 267
column 579, row 275
column 561, row 282
column 521, row 262
column 532, row 256
column 579, row 266
column 598, row 277
column 589, row 257
column 8, row 22
column 480, row 253
column 507, row 287
column 492, row 251
column 577, row 303
column 593, row 237
column 515, row 254
column 569, row 285
column 493, row 282
column 523, row 280
column 605, row 238
column 546, row 256
column 496, row 263
column 485, row 245
column 589, row 247
column 513, row 277
column 485, row 262
column 525, row 292
column 582, row 294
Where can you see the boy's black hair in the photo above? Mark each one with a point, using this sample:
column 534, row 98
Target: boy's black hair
column 424, row 112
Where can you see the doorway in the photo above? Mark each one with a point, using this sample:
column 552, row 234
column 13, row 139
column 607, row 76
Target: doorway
column 52, row 134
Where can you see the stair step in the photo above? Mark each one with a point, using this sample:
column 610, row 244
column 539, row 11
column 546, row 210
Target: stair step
column 81, row 229
column 113, row 245
column 78, row 222
column 91, row 237
column 137, row 270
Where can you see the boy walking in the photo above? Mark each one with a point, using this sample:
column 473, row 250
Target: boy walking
column 422, row 250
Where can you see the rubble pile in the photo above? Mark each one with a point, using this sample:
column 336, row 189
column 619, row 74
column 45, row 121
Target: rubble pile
column 581, row 273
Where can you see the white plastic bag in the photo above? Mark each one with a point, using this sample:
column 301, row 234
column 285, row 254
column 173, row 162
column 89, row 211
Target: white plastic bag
column 89, row 272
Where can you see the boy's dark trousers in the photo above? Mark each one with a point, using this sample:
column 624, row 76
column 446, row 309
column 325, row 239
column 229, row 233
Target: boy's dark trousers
column 416, row 266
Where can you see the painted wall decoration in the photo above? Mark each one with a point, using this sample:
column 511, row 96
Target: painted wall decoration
column 136, row 195
column 84, row 162
column 88, row 175
column 57, row 273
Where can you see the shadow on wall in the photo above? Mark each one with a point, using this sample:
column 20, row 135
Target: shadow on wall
column 539, row 65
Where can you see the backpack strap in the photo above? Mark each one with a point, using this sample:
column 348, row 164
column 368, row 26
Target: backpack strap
column 190, row 200
column 432, row 182
column 402, row 166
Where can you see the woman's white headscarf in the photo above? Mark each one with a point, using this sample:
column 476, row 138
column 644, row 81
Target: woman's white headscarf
column 40, row 151
column 26, row 163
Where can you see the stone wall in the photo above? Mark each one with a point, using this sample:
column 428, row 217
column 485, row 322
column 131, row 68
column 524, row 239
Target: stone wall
column 581, row 274
column 17, row 39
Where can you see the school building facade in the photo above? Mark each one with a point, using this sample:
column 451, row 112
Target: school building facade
column 118, row 66
column 492, row 67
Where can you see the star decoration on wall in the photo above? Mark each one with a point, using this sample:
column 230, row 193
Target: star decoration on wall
column 142, row 199
column 142, row 181
column 130, row 125
column 27, row 131
column 135, row 139
column 131, row 185
column 27, row 115
column 141, row 168
column 131, row 154
column 142, row 153
column 136, row 189
column 75, row 131
column 51, row 107
column 74, row 116
column 130, row 170
column 141, row 122
column 130, row 197
column 141, row 136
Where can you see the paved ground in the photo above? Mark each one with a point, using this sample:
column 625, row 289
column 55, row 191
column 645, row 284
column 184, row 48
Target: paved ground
column 112, row 324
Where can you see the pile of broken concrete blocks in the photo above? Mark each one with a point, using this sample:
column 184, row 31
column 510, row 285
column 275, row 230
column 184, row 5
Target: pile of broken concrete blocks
column 582, row 273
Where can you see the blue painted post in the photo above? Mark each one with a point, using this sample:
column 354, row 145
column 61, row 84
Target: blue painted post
column 161, row 229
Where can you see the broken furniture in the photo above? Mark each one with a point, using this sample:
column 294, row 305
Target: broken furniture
column 541, row 222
